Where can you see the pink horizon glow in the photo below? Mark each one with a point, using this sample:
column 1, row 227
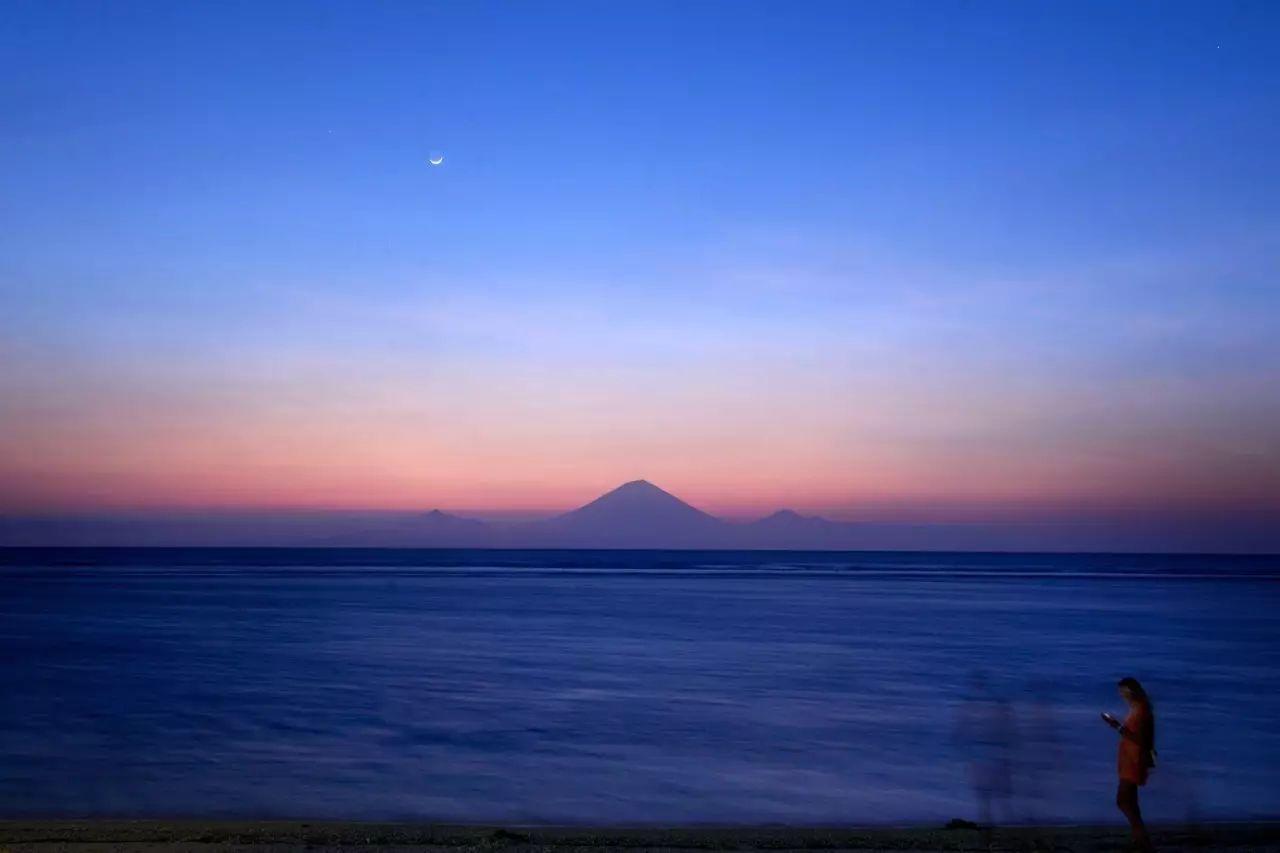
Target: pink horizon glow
column 515, row 442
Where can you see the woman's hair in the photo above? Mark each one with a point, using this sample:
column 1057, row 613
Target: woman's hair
column 1135, row 687
column 1139, row 692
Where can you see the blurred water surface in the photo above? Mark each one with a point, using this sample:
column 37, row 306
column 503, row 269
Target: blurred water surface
column 649, row 687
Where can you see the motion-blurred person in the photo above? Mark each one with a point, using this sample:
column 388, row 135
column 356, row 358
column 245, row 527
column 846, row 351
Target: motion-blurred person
column 986, row 731
column 1136, row 755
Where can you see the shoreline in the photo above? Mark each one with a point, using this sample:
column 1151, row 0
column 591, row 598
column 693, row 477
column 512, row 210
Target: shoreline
column 321, row 836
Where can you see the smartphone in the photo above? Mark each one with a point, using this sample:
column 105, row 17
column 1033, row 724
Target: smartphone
column 1109, row 718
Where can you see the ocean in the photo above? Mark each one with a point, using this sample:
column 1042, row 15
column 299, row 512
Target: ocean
column 629, row 686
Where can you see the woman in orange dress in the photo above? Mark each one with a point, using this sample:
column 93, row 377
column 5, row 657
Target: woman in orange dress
column 1137, row 755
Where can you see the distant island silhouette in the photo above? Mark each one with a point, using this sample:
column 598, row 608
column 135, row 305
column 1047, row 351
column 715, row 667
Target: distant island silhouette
column 637, row 514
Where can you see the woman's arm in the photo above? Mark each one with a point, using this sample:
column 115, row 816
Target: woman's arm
column 1122, row 729
column 1129, row 735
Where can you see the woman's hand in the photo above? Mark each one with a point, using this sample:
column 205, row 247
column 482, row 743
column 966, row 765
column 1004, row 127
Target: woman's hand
column 1110, row 720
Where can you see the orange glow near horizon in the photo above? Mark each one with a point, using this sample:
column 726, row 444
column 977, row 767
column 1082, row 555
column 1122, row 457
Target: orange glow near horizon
column 525, row 447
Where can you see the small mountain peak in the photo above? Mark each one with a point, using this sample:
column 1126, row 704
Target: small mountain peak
column 791, row 518
column 439, row 519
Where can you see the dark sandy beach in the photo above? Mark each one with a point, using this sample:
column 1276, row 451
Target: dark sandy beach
column 98, row 836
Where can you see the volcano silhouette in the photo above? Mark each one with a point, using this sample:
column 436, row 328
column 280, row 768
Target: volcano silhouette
column 636, row 514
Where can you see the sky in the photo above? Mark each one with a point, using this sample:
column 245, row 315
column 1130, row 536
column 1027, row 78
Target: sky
column 943, row 261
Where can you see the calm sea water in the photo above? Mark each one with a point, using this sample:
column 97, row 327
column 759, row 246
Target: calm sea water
column 629, row 686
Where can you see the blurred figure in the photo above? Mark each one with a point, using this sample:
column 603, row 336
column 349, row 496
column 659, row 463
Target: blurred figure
column 986, row 731
column 1041, row 754
column 1136, row 755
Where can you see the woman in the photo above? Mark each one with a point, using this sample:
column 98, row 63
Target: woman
column 1137, row 754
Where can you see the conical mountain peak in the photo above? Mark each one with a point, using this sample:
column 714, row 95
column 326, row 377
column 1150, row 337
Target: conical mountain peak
column 635, row 510
column 640, row 494
column 640, row 487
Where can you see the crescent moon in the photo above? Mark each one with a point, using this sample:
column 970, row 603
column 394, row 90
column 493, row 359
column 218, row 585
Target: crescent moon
column 437, row 160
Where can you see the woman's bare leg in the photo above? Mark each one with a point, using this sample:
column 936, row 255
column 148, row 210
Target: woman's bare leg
column 1127, row 801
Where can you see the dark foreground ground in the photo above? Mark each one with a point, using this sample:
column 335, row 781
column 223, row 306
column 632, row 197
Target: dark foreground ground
column 101, row 836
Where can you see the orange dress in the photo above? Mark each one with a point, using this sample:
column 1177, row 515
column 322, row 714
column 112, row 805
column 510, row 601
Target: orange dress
column 1133, row 753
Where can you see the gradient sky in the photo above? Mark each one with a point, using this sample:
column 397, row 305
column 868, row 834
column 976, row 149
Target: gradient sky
column 937, row 259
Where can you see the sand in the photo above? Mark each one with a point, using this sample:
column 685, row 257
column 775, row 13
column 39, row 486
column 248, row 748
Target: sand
column 106, row 836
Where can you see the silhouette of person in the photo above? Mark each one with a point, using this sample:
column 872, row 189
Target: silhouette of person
column 1136, row 755
column 986, row 730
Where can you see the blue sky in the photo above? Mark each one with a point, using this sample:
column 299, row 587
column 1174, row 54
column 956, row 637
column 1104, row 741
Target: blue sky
column 873, row 242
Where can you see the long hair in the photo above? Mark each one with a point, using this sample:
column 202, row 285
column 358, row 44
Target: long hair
column 1135, row 687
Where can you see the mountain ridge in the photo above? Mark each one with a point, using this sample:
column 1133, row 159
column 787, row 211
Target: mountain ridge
column 636, row 514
